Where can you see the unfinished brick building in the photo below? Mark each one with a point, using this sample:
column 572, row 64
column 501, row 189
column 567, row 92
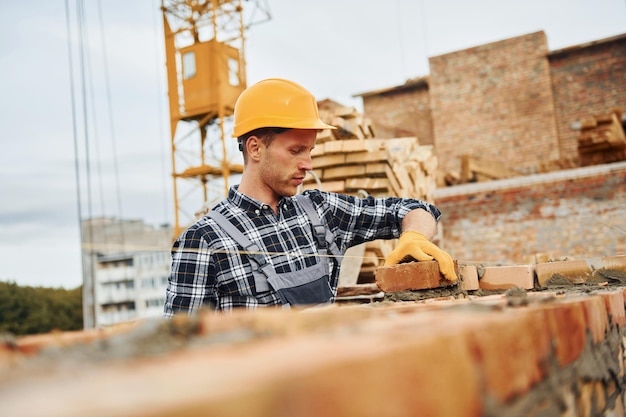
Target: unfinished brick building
column 514, row 103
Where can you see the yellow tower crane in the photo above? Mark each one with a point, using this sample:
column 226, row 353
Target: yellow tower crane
column 206, row 72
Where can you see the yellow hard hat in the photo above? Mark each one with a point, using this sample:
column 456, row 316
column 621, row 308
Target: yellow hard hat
column 276, row 102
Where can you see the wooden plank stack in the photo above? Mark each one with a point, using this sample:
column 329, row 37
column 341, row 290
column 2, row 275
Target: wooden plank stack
column 379, row 167
column 350, row 160
column 602, row 139
column 558, row 164
column 475, row 169
column 349, row 122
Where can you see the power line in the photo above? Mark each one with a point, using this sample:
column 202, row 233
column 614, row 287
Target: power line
column 95, row 129
column 111, row 122
column 88, row 289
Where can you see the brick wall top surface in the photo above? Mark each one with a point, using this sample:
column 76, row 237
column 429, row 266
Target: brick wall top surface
column 383, row 359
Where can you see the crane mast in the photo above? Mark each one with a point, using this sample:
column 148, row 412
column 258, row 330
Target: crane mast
column 206, row 72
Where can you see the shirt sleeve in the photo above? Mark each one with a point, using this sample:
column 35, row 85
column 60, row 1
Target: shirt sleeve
column 191, row 281
column 357, row 220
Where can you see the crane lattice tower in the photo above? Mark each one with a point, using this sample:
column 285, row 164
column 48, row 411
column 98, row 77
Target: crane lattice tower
column 206, row 72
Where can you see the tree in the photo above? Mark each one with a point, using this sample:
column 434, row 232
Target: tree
column 31, row 310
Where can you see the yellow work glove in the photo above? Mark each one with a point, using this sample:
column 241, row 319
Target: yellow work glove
column 417, row 246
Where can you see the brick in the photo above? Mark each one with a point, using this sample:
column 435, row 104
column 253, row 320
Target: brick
column 614, row 264
column 505, row 277
column 411, row 276
column 599, row 395
column 374, row 386
column 566, row 321
column 579, row 271
column 511, row 348
column 576, row 271
column 468, row 277
column 596, row 317
column 585, row 398
column 614, row 302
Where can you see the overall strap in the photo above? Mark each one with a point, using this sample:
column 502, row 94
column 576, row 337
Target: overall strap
column 261, row 268
column 325, row 238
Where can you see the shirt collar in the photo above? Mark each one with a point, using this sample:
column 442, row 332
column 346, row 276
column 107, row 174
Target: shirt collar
column 247, row 203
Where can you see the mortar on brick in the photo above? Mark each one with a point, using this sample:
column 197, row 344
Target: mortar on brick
column 587, row 387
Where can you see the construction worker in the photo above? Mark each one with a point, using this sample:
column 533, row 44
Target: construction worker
column 265, row 244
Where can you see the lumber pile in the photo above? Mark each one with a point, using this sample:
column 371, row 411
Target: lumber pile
column 602, row 139
column 558, row 164
column 380, row 167
column 350, row 160
column 475, row 169
column 349, row 122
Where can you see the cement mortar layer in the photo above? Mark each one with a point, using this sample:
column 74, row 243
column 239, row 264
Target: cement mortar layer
column 529, row 180
column 599, row 363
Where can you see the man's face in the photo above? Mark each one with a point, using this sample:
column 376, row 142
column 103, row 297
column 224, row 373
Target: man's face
column 285, row 161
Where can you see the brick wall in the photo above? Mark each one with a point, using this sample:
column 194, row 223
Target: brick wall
column 512, row 355
column 494, row 101
column 580, row 212
column 511, row 100
column 587, row 79
column 401, row 111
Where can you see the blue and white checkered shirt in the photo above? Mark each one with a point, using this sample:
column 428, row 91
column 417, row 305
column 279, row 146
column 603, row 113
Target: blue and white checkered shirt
column 209, row 269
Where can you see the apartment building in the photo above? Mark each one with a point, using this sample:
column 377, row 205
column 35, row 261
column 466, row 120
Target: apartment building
column 126, row 264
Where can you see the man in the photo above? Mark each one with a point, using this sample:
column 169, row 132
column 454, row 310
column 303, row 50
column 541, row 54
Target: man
column 264, row 245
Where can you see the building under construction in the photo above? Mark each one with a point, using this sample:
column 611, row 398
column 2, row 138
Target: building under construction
column 523, row 150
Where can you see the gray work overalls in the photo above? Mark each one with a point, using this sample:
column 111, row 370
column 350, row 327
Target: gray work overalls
column 308, row 286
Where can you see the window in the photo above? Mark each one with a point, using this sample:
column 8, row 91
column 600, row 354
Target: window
column 155, row 302
column 189, row 65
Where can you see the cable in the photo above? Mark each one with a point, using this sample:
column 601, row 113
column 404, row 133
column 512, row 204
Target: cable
column 111, row 124
column 88, row 288
column 95, row 129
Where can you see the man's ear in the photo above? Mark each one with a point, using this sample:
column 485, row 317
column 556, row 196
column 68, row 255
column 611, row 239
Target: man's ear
column 254, row 147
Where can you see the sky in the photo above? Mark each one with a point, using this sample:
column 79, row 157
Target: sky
column 335, row 48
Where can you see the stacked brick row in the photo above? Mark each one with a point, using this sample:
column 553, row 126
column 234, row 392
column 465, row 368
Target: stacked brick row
column 598, row 271
column 557, row 353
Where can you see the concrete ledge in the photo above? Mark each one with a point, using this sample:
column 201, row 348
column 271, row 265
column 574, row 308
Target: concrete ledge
column 527, row 180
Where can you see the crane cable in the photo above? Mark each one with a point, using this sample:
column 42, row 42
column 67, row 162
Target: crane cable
column 88, row 288
column 111, row 125
column 74, row 127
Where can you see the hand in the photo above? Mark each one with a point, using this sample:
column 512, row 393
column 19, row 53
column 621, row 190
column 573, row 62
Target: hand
column 416, row 245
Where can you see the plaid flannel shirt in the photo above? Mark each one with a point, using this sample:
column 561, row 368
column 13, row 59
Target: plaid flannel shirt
column 209, row 269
